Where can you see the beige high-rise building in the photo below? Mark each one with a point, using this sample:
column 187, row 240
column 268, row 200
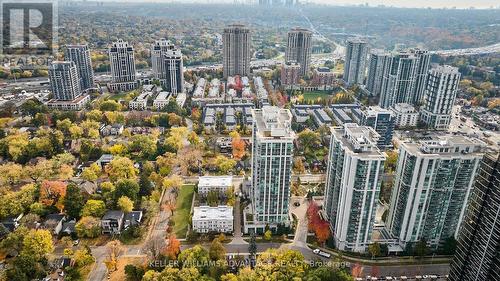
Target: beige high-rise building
column 298, row 48
column 236, row 50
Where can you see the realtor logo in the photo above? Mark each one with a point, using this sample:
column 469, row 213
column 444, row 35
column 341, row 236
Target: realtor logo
column 29, row 27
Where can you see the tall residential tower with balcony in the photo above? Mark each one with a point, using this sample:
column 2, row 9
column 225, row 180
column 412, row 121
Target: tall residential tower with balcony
column 440, row 94
column 434, row 179
column 236, row 50
column 272, row 155
column 355, row 61
column 122, row 62
column 80, row 55
column 477, row 256
column 168, row 67
column 299, row 49
column 355, row 167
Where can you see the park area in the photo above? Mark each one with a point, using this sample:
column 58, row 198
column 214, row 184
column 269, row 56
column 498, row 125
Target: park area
column 183, row 210
column 315, row 95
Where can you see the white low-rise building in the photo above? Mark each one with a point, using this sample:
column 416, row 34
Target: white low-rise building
column 213, row 219
column 406, row 115
column 217, row 183
column 161, row 100
column 140, row 102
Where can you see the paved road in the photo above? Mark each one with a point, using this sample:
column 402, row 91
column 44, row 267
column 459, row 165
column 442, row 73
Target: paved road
column 404, row 270
column 238, row 235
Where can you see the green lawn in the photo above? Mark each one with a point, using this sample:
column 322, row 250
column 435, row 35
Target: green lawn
column 314, row 95
column 182, row 210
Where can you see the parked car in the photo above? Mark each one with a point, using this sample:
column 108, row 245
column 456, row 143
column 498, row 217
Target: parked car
column 321, row 253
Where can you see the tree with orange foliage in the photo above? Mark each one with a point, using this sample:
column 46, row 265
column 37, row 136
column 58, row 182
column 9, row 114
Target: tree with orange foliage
column 319, row 226
column 170, row 207
column 53, row 193
column 173, row 247
column 238, row 145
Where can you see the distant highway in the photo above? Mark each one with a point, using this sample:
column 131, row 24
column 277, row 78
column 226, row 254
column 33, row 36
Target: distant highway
column 495, row 48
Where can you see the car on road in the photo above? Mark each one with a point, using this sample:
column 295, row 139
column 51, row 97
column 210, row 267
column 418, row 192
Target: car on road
column 321, row 253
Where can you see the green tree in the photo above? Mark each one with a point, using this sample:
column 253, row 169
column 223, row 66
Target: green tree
column 217, row 250
column 252, row 246
column 128, row 188
column 110, row 105
column 37, row 244
column 121, row 168
column 327, row 273
column 145, row 185
column 309, row 142
column 268, row 235
column 374, row 249
column 224, row 164
column 125, row 204
column 15, row 203
column 449, row 246
column 94, row 208
column 213, row 198
column 143, row 146
column 421, row 248
column 92, row 172
column 196, row 257
column 83, row 256
column 281, row 264
column 133, row 273
column 73, row 201
column 12, row 244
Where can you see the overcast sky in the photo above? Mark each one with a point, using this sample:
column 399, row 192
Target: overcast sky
column 420, row 3
column 461, row 4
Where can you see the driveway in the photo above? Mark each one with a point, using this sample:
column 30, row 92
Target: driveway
column 238, row 235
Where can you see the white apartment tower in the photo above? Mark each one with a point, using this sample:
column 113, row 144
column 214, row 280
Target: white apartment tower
column 355, row 167
column 168, row 66
column 64, row 80
column 422, row 68
column 376, row 68
column 434, row 179
column 122, row 62
column 399, row 79
column 440, row 94
column 272, row 155
column 80, row 55
column 236, row 50
column 355, row 61
column 299, row 48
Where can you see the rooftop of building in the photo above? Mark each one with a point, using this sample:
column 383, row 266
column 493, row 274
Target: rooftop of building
column 162, row 96
column 236, row 27
column 300, row 29
column 375, row 110
column 76, row 46
column 113, row 215
column 452, row 145
column 273, row 122
column 403, row 107
column 120, row 44
column 357, row 40
column 358, row 139
column 212, row 213
column 446, row 69
column 211, row 181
